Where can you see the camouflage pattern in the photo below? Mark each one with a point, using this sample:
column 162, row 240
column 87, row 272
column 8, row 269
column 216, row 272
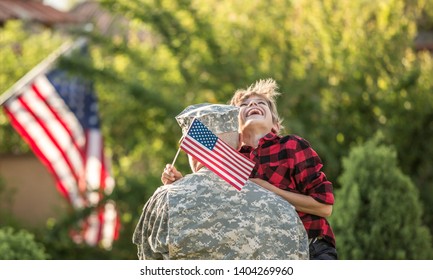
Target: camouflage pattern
column 202, row 217
column 219, row 118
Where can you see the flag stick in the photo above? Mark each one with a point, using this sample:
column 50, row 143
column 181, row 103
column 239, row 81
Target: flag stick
column 181, row 138
column 178, row 150
column 175, row 157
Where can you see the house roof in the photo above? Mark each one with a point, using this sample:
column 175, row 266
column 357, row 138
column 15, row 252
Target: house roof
column 32, row 11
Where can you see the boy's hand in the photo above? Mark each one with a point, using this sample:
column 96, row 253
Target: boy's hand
column 170, row 175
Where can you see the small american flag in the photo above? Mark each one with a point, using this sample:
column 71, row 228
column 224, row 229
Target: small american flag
column 57, row 115
column 215, row 154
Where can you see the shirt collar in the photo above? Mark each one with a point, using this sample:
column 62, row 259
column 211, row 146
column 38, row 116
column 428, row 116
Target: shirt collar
column 268, row 137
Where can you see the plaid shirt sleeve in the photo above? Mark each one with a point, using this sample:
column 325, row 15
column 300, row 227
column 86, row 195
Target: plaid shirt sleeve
column 307, row 171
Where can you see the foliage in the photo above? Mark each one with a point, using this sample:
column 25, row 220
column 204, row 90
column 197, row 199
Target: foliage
column 425, row 21
column 346, row 69
column 20, row 245
column 20, row 51
column 6, row 198
column 378, row 212
column 58, row 242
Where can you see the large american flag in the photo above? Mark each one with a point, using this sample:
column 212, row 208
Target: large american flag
column 215, row 154
column 57, row 115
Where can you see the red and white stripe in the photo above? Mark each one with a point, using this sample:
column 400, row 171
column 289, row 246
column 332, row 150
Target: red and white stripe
column 225, row 161
column 42, row 118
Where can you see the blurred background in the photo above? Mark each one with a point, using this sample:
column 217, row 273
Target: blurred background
column 357, row 83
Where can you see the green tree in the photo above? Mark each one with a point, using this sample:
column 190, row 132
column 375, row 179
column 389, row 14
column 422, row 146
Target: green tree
column 378, row 211
column 20, row 51
column 346, row 68
column 6, row 198
column 20, row 245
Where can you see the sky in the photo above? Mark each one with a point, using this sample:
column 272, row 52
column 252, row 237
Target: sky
column 62, row 5
column 58, row 4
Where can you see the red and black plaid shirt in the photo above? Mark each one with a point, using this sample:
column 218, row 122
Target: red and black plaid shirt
column 291, row 164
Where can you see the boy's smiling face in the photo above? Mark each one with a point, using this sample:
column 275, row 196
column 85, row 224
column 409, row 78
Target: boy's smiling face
column 255, row 112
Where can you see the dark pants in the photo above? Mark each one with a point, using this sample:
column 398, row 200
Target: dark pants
column 321, row 249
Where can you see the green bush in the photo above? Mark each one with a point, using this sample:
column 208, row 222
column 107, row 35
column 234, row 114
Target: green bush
column 20, row 245
column 378, row 212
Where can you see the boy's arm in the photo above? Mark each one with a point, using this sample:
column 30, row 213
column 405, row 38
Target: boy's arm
column 301, row 202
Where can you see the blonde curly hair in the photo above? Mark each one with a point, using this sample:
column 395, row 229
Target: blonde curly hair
column 266, row 89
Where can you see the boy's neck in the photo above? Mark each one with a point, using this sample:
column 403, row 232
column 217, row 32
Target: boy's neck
column 251, row 137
